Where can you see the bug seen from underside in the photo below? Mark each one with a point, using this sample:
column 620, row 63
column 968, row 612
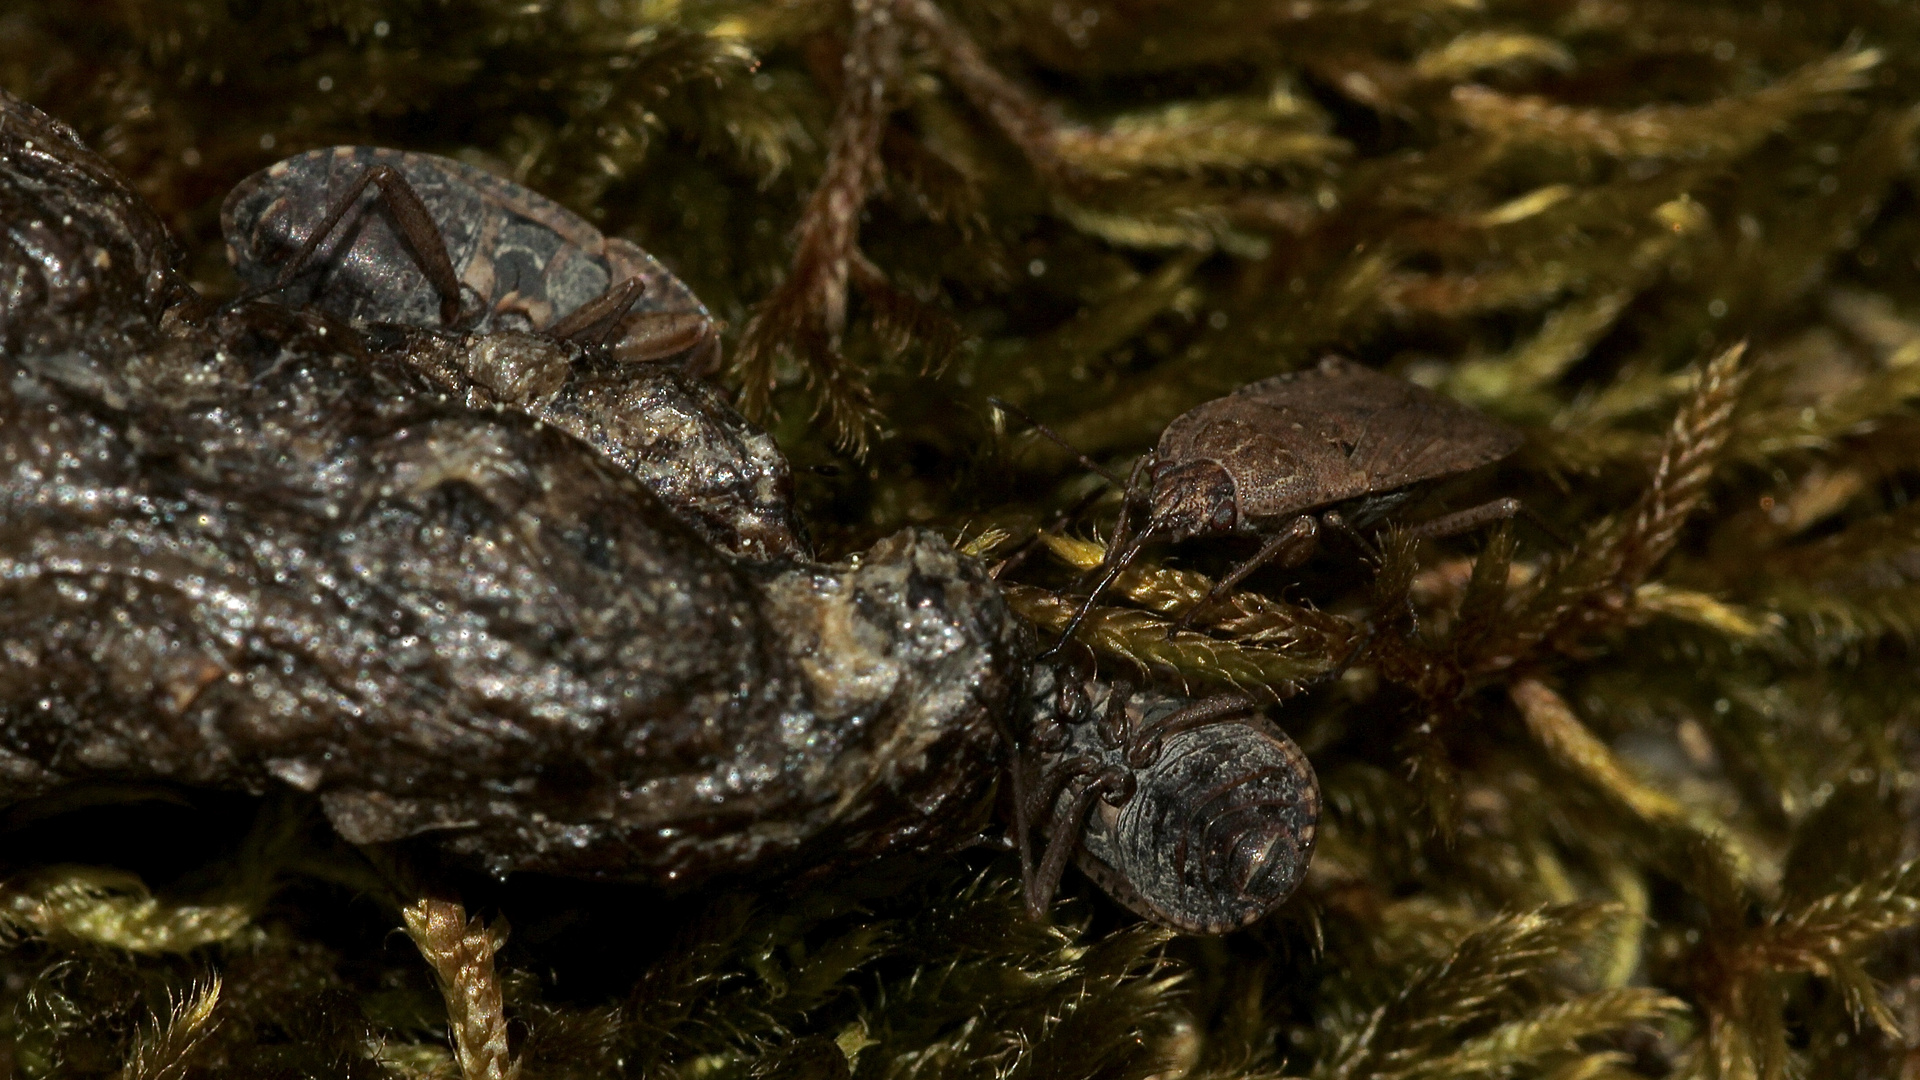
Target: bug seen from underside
column 1335, row 447
column 387, row 236
column 1198, row 815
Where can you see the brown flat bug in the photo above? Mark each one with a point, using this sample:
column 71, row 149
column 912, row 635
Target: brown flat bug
column 1338, row 446
column 1198, row 815
column 388, row 236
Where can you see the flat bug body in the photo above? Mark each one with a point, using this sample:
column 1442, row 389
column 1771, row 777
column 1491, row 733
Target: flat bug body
column 1198, row 815
column 1338, row 446
column 359, row 231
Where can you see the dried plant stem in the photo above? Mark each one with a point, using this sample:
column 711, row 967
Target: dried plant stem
column 807, row 314
column 1018, row 114
column 460, row 951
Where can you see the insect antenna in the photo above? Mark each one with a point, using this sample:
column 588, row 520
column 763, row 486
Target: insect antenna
column 1118, row 567
column 1006, row 406
column 1113, row 567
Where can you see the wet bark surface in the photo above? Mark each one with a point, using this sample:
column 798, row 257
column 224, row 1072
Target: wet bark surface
column 251, row 548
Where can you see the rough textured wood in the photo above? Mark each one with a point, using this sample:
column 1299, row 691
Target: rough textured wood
column 246, row 549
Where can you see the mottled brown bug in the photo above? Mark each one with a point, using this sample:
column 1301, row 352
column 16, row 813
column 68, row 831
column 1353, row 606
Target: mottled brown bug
column 1338, row 446
column 388, row 236
column 1198, row 815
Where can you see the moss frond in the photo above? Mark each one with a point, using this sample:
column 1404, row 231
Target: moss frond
column 113, row 908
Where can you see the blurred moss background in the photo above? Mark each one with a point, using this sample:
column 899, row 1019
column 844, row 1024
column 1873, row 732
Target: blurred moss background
column 1642, row 805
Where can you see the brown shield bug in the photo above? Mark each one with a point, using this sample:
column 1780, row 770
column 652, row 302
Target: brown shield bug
column 1198, row 815
column 387, row 236
column 1338, row 446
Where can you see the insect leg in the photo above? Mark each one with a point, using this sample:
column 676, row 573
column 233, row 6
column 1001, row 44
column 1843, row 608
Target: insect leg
column 1293, row 542
column 1336, row 521
column 1045, row 882
column 1113, row 725
column 1124, row 522
column 416, row 225
column 656, row 335
column 1029, row 805
column 1122, row 539
column 593, row 322
column 1022, row 811
column 1471, row 518
column 1145, row 745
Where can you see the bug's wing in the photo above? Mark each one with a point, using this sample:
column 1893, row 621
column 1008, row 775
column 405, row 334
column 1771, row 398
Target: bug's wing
column 1353, row 431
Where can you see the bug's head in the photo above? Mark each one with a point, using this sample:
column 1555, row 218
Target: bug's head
column 1194, row 498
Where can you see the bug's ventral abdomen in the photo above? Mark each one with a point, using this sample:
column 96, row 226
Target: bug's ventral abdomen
column 1221, row 829
column 1213, row 827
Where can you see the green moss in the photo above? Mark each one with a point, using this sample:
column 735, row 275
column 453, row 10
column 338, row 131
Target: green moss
column 1639, row 805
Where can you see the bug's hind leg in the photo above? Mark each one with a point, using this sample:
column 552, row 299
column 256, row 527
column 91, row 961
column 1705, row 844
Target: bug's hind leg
column 1469, row 519
column 594, row 322
column 1041, row 883
column 1143, row 748
column 416, row 227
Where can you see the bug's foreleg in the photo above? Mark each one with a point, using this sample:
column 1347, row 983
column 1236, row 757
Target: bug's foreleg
column 1123, row 523
column 1290, row 545
column 1086, row 608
